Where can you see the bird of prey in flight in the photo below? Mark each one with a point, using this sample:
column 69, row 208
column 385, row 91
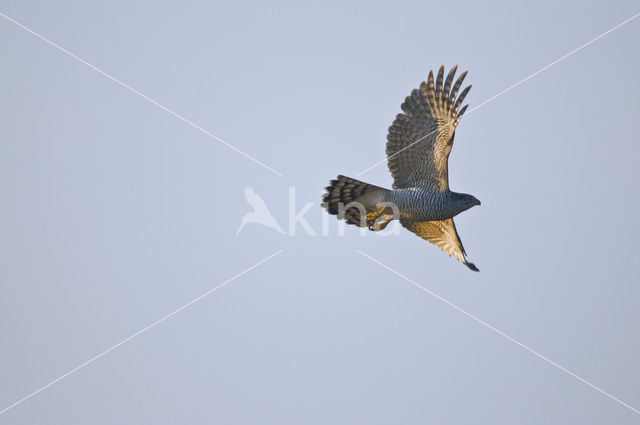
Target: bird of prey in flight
column 418, row 146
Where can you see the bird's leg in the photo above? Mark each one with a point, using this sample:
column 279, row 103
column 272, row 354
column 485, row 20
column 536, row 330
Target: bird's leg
column 379, row 218
column 375, row 214
column 381, row 222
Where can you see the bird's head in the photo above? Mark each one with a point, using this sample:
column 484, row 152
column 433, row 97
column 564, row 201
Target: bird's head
column 465, row 201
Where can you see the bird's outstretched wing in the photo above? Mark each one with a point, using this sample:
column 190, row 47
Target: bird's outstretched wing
column 444, row 235
column 420, row 138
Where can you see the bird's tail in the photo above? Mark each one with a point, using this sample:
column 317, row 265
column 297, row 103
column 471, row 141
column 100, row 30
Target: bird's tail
column 358, row 203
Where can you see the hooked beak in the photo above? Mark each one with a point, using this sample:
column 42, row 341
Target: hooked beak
column 478, row 202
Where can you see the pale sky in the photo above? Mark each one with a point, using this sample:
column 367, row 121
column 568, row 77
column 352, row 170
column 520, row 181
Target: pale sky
column 116, row 213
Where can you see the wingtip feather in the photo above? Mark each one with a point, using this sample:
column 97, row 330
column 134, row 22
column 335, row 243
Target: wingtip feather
column 472, row 266
column 446, row 93
column 461, row 97
column 439, row 81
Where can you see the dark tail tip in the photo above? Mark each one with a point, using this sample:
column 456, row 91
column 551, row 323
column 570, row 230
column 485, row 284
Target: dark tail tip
column 472, row 266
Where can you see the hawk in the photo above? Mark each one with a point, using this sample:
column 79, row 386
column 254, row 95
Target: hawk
column 418, row 146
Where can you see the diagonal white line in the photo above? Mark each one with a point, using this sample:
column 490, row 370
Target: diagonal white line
column 131, row 89
column 499, row 332
column 401, row 150
column 576, row 50
column 140, row 332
